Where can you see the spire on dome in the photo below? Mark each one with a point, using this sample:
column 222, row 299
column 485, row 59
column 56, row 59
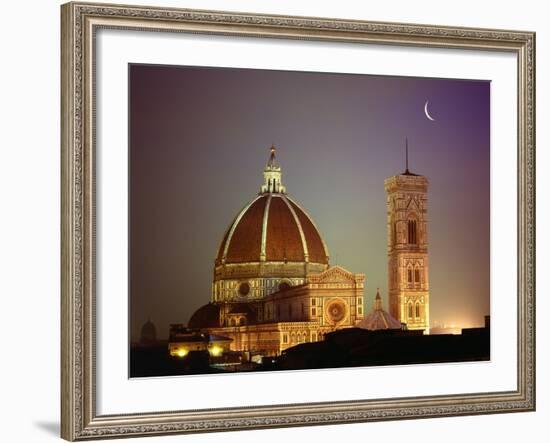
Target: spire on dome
column 272, row 176
column 378, row 300
column 271, row 161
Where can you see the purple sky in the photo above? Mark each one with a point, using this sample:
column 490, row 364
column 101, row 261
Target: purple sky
column 200, row 137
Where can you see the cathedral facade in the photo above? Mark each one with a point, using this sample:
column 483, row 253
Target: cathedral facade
column 273, row 286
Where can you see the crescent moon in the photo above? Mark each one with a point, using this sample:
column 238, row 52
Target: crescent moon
column 427, row 113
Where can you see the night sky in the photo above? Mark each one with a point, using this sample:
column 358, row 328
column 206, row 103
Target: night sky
column 200, row 138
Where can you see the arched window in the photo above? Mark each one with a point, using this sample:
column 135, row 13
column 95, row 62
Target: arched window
column 411, row 232
column 410, row 310
column 417, row 275
column 417, row 310
column 410, row 275
column 293, row 338
column 394, row 233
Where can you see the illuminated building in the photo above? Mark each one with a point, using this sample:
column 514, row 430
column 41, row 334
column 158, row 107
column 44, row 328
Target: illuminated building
column 183, row 341
column 273, row 286
column 407, row 234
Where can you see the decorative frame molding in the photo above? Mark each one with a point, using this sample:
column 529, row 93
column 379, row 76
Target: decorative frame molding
column 79, row 420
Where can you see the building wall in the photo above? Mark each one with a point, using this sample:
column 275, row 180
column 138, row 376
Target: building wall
column 327, row 301
column 271, row 339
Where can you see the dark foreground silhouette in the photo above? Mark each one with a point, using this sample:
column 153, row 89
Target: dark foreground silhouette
column 345, row 348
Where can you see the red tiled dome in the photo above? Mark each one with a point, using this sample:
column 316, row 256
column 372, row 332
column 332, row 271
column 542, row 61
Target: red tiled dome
column 272, row 228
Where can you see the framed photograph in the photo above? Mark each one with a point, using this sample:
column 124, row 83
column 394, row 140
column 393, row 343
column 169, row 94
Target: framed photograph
column 283, row 221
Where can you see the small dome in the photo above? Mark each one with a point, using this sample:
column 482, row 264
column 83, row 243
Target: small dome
column 207, row 316
column 148, row 332
column 378, row 318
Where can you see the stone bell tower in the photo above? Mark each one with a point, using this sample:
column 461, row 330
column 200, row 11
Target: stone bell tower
column 407, row 222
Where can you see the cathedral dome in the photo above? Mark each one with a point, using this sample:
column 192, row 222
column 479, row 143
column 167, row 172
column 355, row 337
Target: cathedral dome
column 272, row 228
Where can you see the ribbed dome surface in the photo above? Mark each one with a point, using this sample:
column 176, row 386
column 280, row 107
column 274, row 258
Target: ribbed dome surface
column 272, row 228
column 379, row 319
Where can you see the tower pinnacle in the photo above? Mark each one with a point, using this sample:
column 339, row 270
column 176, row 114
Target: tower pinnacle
column 407, row 172
column 272, row 175
column 407, row 155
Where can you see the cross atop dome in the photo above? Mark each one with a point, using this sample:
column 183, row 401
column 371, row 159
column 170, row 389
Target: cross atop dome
column 272, row 176
column 271, row 161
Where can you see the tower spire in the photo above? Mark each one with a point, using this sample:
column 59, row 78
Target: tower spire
column 407, row 155
column 272, row 175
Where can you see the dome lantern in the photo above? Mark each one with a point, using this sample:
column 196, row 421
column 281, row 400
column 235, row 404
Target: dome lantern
column 272, row 176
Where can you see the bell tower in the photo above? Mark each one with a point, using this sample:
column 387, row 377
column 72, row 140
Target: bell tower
column 407, row 239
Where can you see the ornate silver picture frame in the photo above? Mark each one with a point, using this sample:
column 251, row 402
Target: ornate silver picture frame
column 80, row 23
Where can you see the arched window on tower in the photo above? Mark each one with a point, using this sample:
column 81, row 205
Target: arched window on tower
column 410, row 309
column 417, row 310
column 409, row 275
column 411, row 232
column 417, row 275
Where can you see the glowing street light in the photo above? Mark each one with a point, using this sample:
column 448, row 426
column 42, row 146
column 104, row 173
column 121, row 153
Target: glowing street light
column 216, row 351
column 181, row 353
